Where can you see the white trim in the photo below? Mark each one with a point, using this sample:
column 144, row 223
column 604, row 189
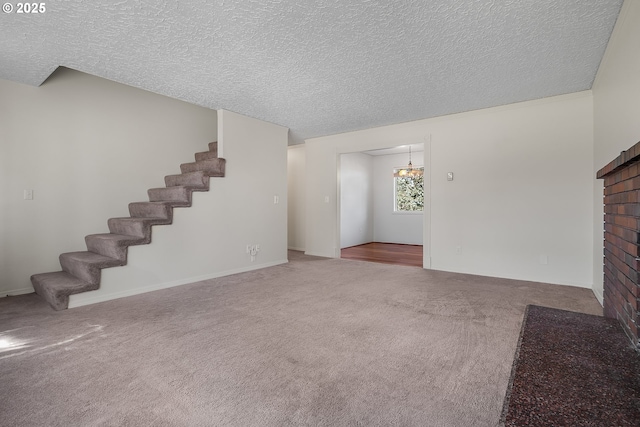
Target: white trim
column 599, row 296
column 219, row 136
column 15, row 292
column 407, row 212
column 426, row 211
column 551, row 281
column 310, row 253
column 291, row 248
column 87, row 299
column 337, row 248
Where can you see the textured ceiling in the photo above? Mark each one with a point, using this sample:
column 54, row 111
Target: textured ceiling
column 320, row 67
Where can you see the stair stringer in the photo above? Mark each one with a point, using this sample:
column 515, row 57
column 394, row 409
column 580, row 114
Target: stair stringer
column 82, row 271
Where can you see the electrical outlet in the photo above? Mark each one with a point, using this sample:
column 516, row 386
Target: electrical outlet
column 28, row 195
column 253, row 251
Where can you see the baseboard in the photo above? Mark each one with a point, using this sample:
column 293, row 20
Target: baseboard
column 296, row 249
column 15, row 292
column 599, row 296
column 86, row 299
column 311, row 253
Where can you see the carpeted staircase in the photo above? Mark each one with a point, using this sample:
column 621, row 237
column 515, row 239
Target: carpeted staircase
column 81, row 270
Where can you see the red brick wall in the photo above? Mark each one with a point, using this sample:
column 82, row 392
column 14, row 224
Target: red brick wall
column 621, row 239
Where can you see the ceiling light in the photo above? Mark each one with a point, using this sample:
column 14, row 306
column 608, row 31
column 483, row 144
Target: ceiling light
column 409, row 171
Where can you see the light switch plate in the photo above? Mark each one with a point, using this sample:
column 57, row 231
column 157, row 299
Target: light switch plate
column 449, row 176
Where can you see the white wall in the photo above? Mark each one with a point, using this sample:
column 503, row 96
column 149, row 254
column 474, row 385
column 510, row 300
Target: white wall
column 87, row 147
column 390, row 226
column 296, row 188
column 522, row 194
column 356, row 199
column 616, row 95
column 209, row 239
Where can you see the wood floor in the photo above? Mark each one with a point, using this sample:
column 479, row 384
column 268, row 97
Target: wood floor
column 388, row 253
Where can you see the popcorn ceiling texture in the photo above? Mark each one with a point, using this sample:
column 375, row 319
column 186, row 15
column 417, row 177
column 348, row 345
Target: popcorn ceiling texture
column 325, row 66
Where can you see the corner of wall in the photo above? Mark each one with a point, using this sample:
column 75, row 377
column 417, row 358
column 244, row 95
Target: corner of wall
column 296, row 192
column 598, row 295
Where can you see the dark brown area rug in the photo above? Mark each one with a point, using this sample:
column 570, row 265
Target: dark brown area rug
column 572, row 369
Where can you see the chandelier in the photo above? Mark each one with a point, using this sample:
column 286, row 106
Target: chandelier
column 409, row 171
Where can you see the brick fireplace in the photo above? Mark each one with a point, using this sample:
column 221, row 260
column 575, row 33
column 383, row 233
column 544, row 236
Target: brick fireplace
column 621, row 240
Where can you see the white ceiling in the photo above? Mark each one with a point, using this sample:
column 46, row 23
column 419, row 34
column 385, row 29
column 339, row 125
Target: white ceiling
column 320, row 67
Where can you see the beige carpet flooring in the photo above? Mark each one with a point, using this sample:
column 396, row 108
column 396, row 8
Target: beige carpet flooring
column 315, row 342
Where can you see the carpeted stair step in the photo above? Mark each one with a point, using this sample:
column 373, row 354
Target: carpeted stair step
column 113, row 245
column 135, row 227
column 56, row 287
column 212, row 167
column 86, row 266
column 196, row 181
column 178, row 196
column 206, row 155
column 151, row 210
column 82, row 270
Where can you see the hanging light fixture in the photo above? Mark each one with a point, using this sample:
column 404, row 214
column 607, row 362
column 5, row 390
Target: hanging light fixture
column 409, row 171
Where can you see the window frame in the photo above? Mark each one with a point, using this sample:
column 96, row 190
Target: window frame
column 395, row 193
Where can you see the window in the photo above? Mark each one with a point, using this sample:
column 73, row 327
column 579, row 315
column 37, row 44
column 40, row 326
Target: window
column 409, row 192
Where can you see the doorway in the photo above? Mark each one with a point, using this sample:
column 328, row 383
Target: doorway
column 386, row 253
column 372, row 228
